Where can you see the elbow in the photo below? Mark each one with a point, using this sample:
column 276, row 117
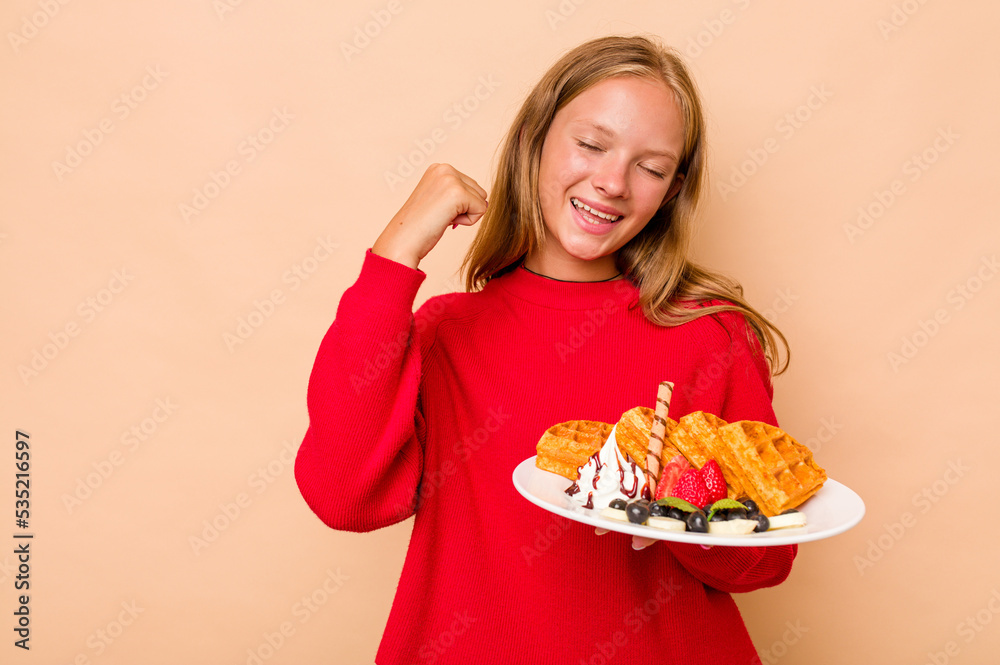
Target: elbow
column 356, row 517
column 774, row 568
column 343, row 507
column 737, row 569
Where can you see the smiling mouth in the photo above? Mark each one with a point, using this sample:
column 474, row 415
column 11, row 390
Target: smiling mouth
column 594, row 216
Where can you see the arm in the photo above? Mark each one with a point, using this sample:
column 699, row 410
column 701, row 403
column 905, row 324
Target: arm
column 736, row 569
column 746, row 395
column 361, row 459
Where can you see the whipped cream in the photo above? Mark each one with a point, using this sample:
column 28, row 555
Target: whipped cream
column 609, row 474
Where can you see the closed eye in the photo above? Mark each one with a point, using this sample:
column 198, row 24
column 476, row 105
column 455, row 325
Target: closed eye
column 593, row 148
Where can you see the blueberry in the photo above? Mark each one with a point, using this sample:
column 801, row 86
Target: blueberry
column 697, row 523
column 657, row 510
column 763, row 524
column 637, row 512
column 751, row 505
column 618, row 503
column 737, row 514
column 677, row 514
column 719, row 516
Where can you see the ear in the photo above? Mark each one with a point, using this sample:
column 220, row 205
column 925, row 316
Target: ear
column 675, row 188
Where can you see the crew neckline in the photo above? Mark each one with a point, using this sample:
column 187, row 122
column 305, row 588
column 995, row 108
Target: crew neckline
column 554, row 294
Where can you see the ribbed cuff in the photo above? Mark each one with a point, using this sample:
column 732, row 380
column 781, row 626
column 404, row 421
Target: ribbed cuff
column 386, row 281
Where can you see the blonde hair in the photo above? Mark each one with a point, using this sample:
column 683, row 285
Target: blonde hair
column 672, row 289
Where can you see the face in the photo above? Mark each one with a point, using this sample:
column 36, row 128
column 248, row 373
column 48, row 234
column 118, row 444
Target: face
column 608, row 164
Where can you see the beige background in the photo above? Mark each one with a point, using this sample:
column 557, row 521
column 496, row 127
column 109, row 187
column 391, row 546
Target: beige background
column 885, row 106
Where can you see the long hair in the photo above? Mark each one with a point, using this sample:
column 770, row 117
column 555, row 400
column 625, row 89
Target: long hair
column 672, row 289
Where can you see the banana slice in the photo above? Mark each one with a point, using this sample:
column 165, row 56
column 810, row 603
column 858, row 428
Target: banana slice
column 666, row 523
column 732, row 527
column 614, row 514
column 787, row 521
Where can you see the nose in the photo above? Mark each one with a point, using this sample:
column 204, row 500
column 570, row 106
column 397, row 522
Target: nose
column 611, row 178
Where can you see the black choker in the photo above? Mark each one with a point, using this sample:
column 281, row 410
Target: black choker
column 570, row 281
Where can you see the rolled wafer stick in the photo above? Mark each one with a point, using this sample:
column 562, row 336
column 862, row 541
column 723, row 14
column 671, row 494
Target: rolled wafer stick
column 657, row 433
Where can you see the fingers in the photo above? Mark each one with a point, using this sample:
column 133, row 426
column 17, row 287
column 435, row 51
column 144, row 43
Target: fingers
column 474, row 207
column 638, row 542
column 445, row 183
column 467, row 219
column 444, row 172
column 448, row 169
column 444, row 197
column 473, row 185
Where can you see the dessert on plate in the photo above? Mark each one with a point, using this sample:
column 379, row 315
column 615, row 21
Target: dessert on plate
column 697, row 474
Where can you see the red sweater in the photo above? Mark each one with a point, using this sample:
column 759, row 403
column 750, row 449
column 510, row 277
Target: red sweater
column 429, row 415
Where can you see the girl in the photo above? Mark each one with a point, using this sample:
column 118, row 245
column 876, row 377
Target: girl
column 580, row 302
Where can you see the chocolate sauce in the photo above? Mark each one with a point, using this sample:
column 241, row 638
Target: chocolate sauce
column 596, row 459
column 629, row 492
column 572, row 489
column 590, row 500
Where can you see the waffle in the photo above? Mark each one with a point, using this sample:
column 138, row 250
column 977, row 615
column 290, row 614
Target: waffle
column 774, row 469
column 632, row 435
column 697, row 437
column 565, row 447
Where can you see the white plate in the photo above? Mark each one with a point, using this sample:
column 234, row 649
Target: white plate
column 834, row 509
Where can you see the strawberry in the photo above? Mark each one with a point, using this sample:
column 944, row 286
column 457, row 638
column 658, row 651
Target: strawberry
column 715, row 482
column 691, row 488
column 668, row 477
